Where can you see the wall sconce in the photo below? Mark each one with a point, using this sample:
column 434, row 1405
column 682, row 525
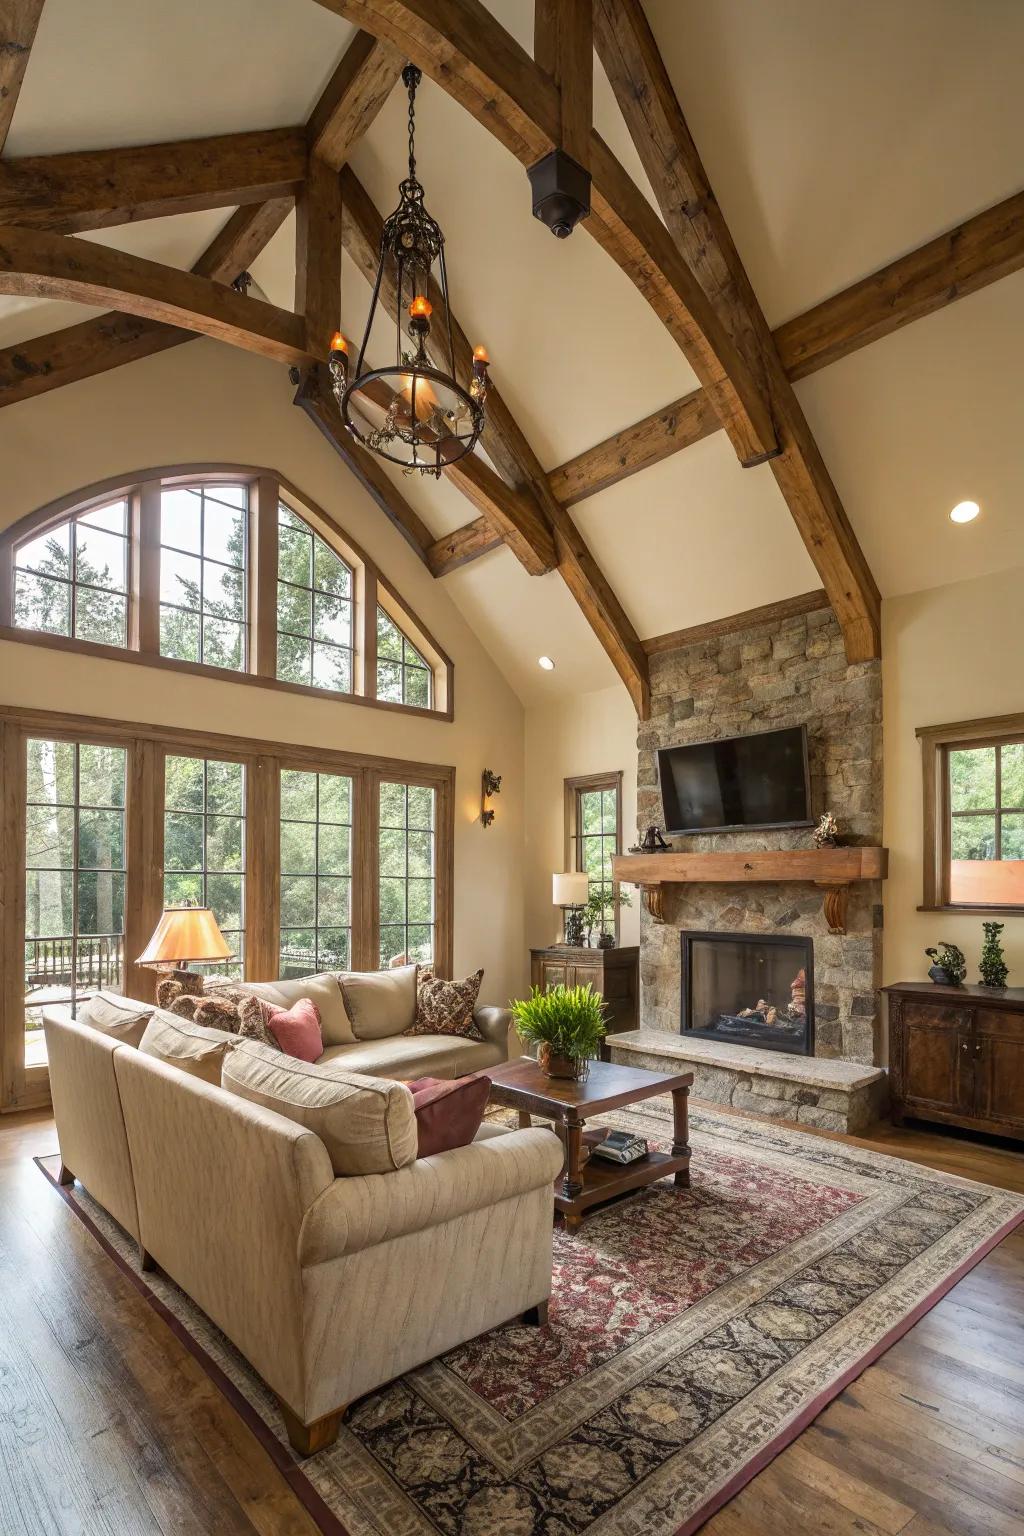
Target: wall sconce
column 490, row 784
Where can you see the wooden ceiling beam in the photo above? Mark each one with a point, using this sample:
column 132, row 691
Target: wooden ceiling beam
column 563, row 47
column 352, row 98
column 665, row 432
column 100, row 188
column 82, row 351
column 36, row 264
column 18, row 22
column 463, row 545
column 318, row 255
column 629, row 54
column 461, row 46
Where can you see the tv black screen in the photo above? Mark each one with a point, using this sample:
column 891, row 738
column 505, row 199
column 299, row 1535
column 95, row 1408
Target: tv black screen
column 745, row 781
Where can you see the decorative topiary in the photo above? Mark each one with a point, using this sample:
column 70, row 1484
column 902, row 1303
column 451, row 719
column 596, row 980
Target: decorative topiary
column 949, row 964
column 992, row 965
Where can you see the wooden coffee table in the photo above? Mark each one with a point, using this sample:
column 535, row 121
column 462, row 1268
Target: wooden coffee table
column 521, row 1085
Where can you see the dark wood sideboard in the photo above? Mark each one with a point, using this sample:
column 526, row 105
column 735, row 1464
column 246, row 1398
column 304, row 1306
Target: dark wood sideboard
column 956, row 1055
column 615, row 973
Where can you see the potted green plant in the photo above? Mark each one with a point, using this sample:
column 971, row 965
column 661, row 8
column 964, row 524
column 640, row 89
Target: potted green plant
column 567, row 1026
column 599, row 913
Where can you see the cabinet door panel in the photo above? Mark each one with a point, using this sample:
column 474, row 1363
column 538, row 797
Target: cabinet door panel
column 581, row 974
column 553, row 973
column 937, row 1058
column 999, row 1074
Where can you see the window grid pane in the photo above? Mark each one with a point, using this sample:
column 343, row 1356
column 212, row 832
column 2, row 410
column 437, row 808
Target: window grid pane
column 203, row 575
column 74, row 878
column 403, row 675
column 408, row 874
column 597, row 835
column 314, row 608
column 204, row 847
column 986, row 842
column 316, row 873
column 73, row 579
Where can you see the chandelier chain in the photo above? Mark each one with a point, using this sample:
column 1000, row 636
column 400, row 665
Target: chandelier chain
column 411, row 75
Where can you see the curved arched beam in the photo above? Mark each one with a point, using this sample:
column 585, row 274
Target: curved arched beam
column 459, row 44
column 34, row 264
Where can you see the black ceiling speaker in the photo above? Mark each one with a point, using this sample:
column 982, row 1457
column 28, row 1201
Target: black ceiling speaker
column 561, row 192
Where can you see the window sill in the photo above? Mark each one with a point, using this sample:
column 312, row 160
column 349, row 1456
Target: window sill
column 972, row 910
column 219, row 674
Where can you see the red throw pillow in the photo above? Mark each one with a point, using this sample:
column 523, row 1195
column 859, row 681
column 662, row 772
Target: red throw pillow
column 297, row 1029
column 448, row 1114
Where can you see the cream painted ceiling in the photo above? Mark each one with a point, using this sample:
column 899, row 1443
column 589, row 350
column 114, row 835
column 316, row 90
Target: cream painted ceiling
column 837, row 137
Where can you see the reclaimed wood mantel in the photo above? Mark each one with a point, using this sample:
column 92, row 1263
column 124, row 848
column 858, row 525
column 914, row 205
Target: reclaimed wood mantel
column 834, row 869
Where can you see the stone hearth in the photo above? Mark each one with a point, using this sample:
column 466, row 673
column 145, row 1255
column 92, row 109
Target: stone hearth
column 826, row 1095
column 785, row 673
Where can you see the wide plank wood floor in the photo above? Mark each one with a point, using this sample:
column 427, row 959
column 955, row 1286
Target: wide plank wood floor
column 108, row 1426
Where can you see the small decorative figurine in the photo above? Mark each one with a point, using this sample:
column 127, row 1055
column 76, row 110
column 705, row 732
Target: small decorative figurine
column 949, row 967
column 653, row 843
column 826, row 833
column 992, row 966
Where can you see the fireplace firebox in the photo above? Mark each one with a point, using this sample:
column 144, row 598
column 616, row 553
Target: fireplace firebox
column 749, row 989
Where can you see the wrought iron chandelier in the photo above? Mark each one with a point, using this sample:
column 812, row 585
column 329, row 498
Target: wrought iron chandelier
column 410, row 412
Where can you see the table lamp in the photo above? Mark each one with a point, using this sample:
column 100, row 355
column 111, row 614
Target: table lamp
column 570, row 891
column 181, row 935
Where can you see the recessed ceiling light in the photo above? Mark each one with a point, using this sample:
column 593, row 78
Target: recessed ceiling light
column 546, row 663
column 964, row 512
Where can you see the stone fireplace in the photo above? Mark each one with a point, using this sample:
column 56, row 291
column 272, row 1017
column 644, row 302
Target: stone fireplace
column 749, row 989
column 787, row 672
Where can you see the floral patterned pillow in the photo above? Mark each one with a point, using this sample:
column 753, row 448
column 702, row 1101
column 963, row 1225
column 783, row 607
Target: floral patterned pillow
column 254, row 1021
column 446, row 1007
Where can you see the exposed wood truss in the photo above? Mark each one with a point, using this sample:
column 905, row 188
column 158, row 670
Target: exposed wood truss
column 353, row 96
column 767, row 613
column 80, row 351
column 18, row 22
column 678, row 425
column 644, row 92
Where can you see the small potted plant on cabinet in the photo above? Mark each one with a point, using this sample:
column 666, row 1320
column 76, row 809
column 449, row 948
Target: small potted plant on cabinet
column 599, row 913
column 567, row 1026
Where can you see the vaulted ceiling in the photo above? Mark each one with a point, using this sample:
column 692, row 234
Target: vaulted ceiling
column 836, row 141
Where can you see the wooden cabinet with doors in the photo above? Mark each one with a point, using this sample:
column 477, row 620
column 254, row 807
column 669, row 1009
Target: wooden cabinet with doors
column 956, row 1056
column 615, row 973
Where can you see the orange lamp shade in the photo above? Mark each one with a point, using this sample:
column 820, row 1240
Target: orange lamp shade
column 338, row 343
column 480, row 355
column 183, row 934
column 421, row 306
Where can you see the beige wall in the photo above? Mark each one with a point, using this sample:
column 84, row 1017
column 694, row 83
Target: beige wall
column 591, row 733
column 205, row 402
column 950, row 653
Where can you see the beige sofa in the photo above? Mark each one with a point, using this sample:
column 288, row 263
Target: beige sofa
column 329, row 1285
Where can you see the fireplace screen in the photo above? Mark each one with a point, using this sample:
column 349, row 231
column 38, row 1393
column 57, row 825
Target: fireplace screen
column 749, row 989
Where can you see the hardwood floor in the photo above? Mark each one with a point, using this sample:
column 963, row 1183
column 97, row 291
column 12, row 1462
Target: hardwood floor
column 107, row 1424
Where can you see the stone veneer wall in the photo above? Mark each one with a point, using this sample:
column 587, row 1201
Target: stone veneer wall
column 792, row 672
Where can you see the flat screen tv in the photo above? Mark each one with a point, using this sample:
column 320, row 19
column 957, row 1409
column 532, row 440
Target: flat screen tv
column 742, row 782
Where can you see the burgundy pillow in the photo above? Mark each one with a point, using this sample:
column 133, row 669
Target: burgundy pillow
column 448, row 1114
column 297, row 1029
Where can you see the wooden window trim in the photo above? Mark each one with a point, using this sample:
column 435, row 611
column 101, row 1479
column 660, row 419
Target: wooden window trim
column 573, row 852
column 147, row 746
column 937, row 741
column 267, row 488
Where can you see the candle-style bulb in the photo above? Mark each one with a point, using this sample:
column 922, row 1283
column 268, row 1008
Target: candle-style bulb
column 338, row 343
column 480, row 355
column 421, row 306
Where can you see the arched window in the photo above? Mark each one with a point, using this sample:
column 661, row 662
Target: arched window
column 403, row 674
column 72, row 579
column 222, row 570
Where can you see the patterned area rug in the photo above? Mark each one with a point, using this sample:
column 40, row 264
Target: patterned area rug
column 692, row 1334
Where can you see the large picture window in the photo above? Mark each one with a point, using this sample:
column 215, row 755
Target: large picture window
column 407, row 873
column 204, row 845
column 72, row 580
column 316, row 872
column 74, row 876
column 223, row 570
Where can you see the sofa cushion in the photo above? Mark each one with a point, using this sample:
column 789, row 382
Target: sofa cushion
column 191, row 1047
column 416, row 1056
column 123, row 1018
column 380, row 1003
column 367, row 1125
column 448, row 1114
column 323, row 990
column 446, row 1007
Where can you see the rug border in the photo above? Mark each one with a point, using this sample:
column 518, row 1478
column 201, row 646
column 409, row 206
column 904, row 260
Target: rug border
column 315, row 1506
column 331, row 1525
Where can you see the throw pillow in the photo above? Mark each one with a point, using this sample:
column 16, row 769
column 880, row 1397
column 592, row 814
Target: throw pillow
column 448, row 1114
column 446, row 1007
column 123, row 1018
column 366, row 1123
column 185, row 984
column 254, row 1022
column 380, row 1003
column 297, row 1029
column 219, row 1012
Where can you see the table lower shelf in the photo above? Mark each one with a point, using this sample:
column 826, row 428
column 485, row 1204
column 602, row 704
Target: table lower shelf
column 603, row 1181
